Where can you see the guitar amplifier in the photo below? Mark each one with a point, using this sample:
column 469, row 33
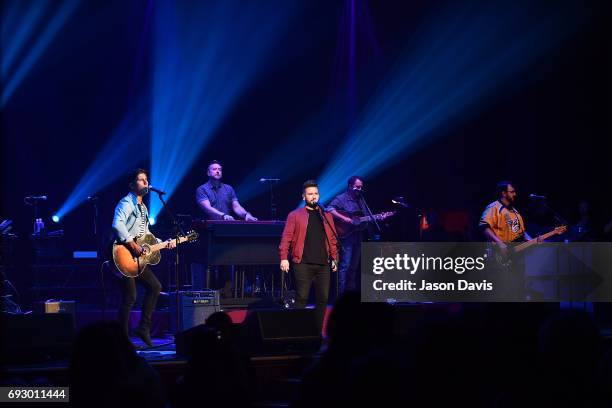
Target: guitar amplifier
column 56, row 306
column 194, row 307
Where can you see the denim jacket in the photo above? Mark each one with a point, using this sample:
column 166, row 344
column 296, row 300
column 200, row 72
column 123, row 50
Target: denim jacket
column 126, row 221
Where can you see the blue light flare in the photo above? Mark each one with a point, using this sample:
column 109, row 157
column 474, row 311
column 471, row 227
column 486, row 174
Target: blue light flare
column 22, row 48
column 323, row 129
column 122, row 152
column 206, row 56
column 451, row 68
column 281, row 163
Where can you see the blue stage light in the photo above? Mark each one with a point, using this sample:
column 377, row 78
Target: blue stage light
column 151, row 220
column 449, row 71
column 282, row 163
column 122, row 152
column 322, row 131
column 21, row 21
column 55, row 219
column 206, row 55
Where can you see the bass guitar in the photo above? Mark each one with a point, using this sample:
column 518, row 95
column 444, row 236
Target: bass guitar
column 506, row 259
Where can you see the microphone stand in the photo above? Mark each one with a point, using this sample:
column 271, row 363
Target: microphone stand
column 34, row 204
column 178, row 230
column 319, row 211
column 272, row 203
column 369, row 212
column 99, row 246
column 558, row 218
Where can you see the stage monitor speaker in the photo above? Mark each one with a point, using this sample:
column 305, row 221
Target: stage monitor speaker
column 194, row 308
column 31, row 338
column 188, row 340
column 273, row 331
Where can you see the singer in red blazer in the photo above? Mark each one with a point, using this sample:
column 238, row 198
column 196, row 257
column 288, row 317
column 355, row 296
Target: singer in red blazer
column 294, row 235
column 309, row 235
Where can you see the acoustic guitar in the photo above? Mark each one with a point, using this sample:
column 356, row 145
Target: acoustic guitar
column 131, row 266
column 359, row 222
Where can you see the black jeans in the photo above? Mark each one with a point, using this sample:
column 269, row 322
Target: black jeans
column 304, row 275
column 152, row 289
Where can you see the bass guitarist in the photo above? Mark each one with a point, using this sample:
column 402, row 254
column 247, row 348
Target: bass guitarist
column 130, row 222
column 500, row 222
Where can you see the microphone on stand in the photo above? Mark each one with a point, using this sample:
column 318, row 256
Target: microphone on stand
column 156, row 190
column 92, row 199
column 537, row 197
column 401, row 202
column 269, row 180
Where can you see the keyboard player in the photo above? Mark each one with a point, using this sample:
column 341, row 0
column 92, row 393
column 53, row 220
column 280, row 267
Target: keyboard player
column 217, row 199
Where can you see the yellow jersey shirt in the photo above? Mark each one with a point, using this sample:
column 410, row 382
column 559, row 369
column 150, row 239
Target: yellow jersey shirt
column 506, row 223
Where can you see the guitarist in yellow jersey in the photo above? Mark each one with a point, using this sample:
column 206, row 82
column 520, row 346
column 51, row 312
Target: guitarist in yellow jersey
column 500, row 222
column 130, row 222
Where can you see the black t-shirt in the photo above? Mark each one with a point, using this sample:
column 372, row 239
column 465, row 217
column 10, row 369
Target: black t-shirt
column 315, row 251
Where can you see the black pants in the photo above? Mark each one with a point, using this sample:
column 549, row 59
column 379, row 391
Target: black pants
column 304, row 275
column 348, row 270
column 128, row 298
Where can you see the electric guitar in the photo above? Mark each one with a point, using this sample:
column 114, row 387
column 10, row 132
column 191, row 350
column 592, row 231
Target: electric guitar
column 359, row 222
column 506, row 259
column 131, row 266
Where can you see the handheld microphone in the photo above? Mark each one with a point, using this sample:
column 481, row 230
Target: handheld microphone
column 537, row 197
column 156, row 190
column 36, row 198
column 268, row 180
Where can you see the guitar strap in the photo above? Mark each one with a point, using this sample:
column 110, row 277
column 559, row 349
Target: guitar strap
column 518, row 220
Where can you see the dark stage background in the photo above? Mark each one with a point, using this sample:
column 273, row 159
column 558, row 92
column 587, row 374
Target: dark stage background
column 545, row 128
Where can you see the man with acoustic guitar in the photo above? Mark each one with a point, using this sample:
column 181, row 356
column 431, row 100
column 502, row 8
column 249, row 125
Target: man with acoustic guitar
column 131, row 221
column 350, row 213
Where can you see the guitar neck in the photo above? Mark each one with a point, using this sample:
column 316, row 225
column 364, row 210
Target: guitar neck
column 164, row 245
column 525, row 245
column 367, row 217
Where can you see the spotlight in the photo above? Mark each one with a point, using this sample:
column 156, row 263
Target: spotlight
column 152, row 220
column 458, row 64
column 55, row 219
column 191, row 100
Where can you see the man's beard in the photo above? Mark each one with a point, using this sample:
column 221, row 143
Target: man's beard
column 312, row 205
